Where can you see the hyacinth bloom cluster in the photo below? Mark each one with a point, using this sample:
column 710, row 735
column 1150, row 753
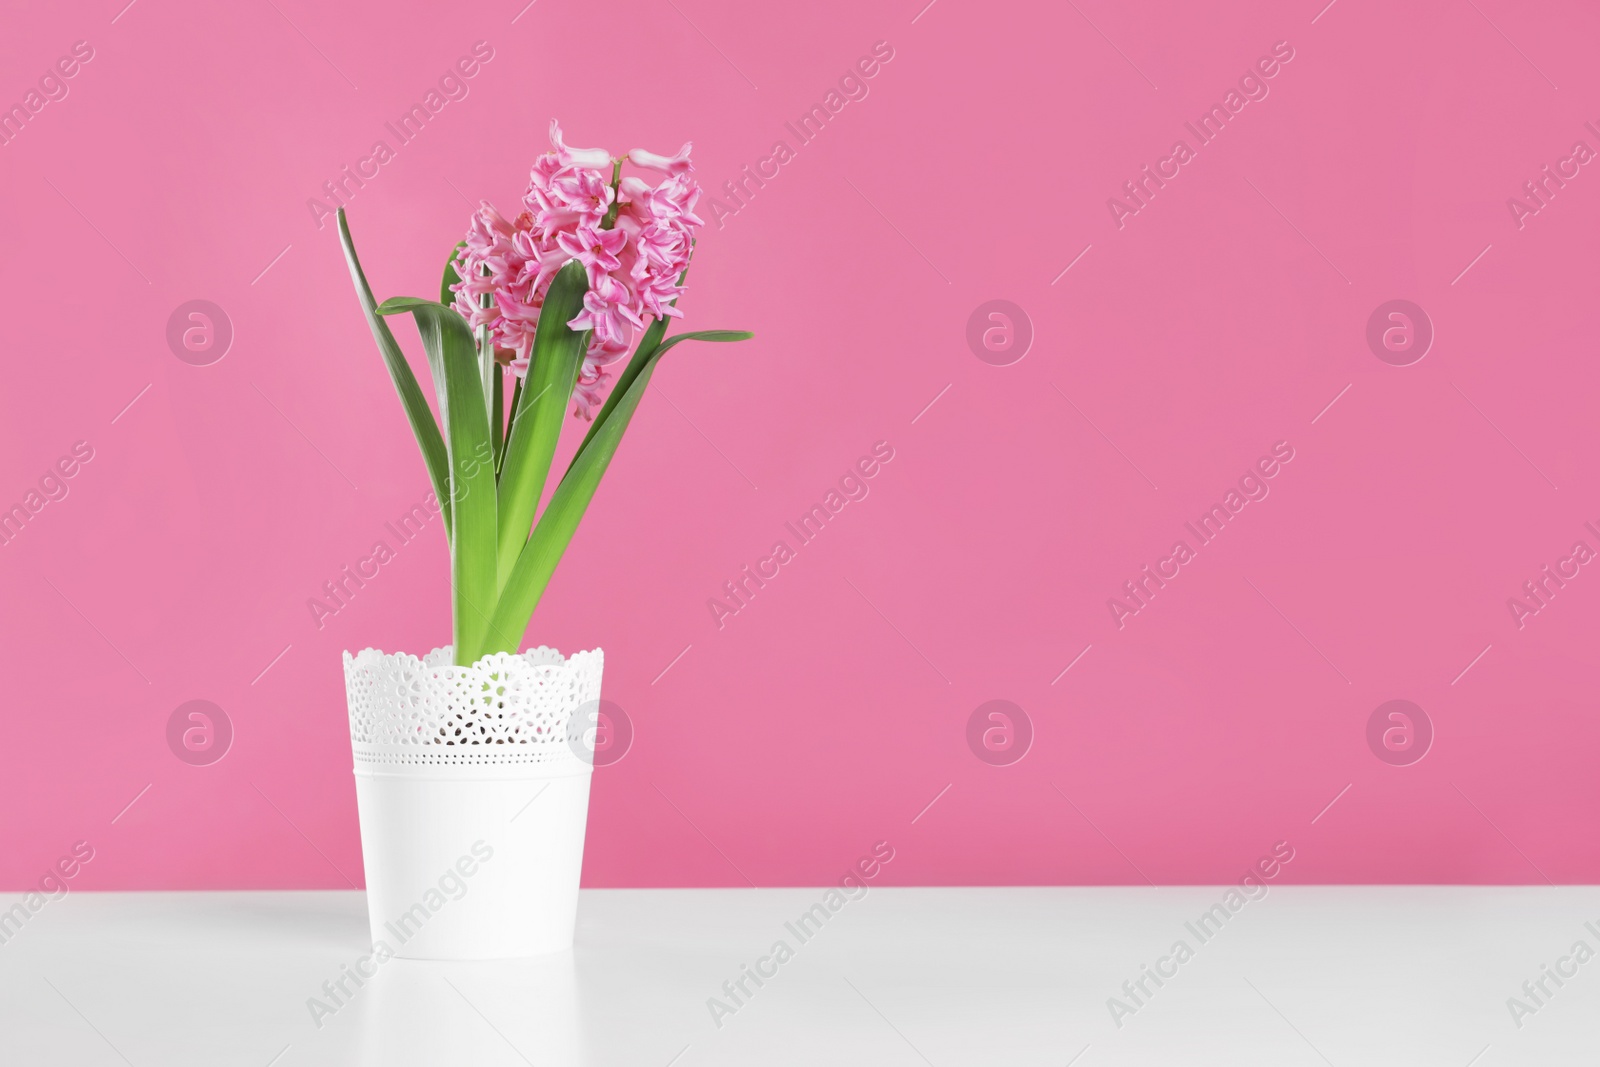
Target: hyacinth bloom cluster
column 633, row 239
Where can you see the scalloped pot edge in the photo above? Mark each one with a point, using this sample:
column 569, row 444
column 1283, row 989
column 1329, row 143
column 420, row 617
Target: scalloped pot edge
column 543, row 656
column 505, row 708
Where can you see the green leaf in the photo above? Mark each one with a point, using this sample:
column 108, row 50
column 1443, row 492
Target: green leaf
column 423, row 426
column 538, row 559
column 642, row 354
column 721, row 336
column 452, row 356
column 447, row 295
column 536, row 423
column 650, row 346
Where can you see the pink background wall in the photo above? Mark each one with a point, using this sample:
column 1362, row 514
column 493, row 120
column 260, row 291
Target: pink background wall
column 1221, row 318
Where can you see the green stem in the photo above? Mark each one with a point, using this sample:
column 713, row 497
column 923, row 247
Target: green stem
column 486, row 364
column 616, row 204
column 497, row 415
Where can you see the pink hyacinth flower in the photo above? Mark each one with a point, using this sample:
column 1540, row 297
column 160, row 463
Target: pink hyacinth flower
column 595, row 248
column 577, row 157
column 671, row 165
column 632, row 265
column 586, row 396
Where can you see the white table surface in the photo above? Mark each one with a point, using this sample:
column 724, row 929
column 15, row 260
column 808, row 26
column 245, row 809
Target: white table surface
column 1307, row 975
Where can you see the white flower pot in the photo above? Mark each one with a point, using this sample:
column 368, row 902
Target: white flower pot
column 473, row 789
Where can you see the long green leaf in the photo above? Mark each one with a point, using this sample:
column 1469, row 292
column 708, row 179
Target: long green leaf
column 642, row 355
column 486, row 364
column 544, row 549
column 452, row 356
column 447, row 295
column 536, row 425
column 423, row 426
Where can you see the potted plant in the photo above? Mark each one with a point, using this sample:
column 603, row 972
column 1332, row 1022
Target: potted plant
column 472, row 772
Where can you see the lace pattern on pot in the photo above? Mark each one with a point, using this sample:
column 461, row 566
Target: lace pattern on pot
column 504, row 709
